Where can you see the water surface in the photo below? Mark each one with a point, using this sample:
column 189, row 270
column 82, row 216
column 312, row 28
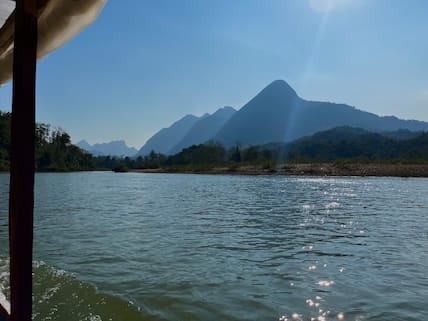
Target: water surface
column 199, row 247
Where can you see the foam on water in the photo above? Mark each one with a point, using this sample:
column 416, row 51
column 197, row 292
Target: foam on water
column 62, row 297
column 4, row 275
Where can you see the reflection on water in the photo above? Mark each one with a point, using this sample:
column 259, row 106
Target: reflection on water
column 200, row 247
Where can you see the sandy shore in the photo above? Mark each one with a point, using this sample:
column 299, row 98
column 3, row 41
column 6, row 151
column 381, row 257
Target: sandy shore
column 330, row 169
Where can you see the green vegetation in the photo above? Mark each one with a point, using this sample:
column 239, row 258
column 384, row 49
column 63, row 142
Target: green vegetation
column 54, row 151
column 203, row 154
column 341, row 146
column 121, row 169
column 353, row 144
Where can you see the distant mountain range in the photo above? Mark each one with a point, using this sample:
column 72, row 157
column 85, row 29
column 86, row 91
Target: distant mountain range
column 165, row 139
column 114, row 148
column 187, row 131
column 204, row 129
column 276, row 114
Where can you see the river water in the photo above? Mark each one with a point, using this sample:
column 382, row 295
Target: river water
column 200, row 247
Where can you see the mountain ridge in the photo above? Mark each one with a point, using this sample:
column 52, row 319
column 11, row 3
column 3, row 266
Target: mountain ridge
column 205, row 129
column 168, row 137
column 278, row 114
column 112, row 148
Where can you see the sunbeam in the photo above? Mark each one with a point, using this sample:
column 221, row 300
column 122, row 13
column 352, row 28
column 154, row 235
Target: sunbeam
column 327, row 5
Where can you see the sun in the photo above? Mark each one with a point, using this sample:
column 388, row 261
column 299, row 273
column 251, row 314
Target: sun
column 323, row 6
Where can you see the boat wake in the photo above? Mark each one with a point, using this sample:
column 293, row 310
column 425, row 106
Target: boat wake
column 58, row 295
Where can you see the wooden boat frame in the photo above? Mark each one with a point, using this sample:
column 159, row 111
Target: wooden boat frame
column 21, row 31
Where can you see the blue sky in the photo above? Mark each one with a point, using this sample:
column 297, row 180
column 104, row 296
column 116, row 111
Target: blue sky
column 144, row 64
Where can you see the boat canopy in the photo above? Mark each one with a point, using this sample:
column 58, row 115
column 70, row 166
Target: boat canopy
column 29, row 30
column 58, row 22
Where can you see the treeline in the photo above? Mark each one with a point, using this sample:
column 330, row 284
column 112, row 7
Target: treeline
column 151, row 161
column 354, row 144
column 196, row 157
column 54, row 151
column 342, row 144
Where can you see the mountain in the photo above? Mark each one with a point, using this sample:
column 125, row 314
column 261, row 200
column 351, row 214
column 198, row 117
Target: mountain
column 402, row 134
column 114, row 148
column 346, row 143
column 204, row 129
column 83, row 144
column 278, row 114
column 164, row 140
column 344, row 133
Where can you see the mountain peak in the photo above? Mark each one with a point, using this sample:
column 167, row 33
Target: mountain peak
column 187, row 117
column 226, row 110
column 167, row 138
column 205, row 129
column 83, row 144
column 280, row 86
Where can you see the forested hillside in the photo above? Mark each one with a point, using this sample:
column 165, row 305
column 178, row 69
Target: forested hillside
column 337, row 144
column 346, row 143
column 54, row 151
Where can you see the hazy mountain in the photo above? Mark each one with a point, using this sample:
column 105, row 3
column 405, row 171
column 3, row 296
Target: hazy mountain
column 278, row 114
column 114, row 148
column 164, row 140
column 83, row 144
column 204, row 129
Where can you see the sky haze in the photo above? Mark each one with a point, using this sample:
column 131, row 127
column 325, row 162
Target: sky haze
column 144, row 64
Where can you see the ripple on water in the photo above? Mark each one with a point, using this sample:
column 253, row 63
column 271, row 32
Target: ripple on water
column 188, row 247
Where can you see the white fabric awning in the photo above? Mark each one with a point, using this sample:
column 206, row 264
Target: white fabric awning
column 58, row 22
column 6, row 8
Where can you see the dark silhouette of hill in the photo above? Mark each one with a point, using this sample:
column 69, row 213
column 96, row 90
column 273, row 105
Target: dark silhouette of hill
column 164, row 140
column 340, row 147
column 402, row 134
column 263, row 119
column 204, row 129
column 278, row 114
column 346, row 143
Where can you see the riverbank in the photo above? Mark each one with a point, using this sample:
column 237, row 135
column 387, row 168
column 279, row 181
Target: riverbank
column 326, row 169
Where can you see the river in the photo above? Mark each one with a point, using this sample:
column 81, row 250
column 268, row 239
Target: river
column 204, row 247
